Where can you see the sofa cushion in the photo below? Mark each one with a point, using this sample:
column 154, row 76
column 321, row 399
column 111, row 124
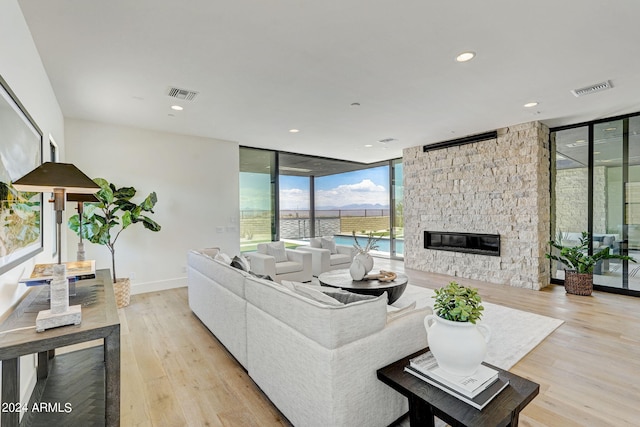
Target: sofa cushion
column 220, row 272
column 329, row 326
column 336, row 259
column 288, row 267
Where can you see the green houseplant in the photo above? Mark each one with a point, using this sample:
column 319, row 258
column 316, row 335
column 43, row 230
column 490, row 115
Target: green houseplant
column 102, row 223
column 579, row 277
column 456, row 341
column 458, row 303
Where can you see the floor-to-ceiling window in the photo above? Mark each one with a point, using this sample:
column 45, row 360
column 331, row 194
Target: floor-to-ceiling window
column 354, row 202
column 258, row 201
column 596, row 188
column 292, row 197
column 397, row 209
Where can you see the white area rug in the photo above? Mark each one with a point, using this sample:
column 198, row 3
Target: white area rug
column 514, row 333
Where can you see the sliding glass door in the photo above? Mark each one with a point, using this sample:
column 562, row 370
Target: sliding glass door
column 596, row 188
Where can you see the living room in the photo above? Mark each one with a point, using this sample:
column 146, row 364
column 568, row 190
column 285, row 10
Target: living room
column 196, row 178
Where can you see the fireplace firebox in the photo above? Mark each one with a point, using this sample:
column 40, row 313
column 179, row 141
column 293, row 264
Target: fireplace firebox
column 481, row 244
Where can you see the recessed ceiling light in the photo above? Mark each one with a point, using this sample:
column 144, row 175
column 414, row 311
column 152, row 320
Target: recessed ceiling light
column 580, row 141
column 596, row 152
column 530, row 104
column 294, row 130
column 368, row 145
column 177, row 108
column 465, row 56
column 609, row 129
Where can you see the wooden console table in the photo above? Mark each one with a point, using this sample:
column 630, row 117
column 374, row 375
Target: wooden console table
column 99, row 321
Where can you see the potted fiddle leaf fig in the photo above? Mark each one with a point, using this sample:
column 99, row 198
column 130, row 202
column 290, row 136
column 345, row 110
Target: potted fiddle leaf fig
column 103, row 222
column 578, row 279
column 456, row 341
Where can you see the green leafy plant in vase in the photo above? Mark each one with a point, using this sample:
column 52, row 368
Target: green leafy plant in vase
column 102, row 223
column 456, row 341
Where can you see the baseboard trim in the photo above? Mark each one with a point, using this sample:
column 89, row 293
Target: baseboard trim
column 162, row 285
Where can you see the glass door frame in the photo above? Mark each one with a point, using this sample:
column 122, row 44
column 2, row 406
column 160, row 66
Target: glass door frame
column 624, row 250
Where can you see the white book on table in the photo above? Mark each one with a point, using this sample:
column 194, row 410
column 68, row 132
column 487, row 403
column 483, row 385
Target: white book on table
column 479, row 401
column 470, row 385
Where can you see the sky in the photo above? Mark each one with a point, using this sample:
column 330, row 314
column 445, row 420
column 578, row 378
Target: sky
column 370, row 186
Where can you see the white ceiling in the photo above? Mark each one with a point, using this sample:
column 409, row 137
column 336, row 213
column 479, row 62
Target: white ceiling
column 262, row 67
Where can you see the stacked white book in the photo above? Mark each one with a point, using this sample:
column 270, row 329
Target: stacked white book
column 477, row 390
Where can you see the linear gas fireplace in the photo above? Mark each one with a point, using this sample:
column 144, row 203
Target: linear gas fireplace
column 482, row 244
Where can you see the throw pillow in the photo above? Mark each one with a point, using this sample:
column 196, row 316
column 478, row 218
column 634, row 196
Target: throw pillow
column 221, row 256
column 289, row 284
column 261, row 276
column 394, row 313
column 240, row 263
column 329, row 243
column 277, row 250
column 315, row 242
column 608, row 241
column 316, row 295
column 346, row 297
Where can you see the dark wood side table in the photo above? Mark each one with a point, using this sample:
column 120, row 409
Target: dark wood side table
column 427, row 401
column 342, row 279
column 99, row 321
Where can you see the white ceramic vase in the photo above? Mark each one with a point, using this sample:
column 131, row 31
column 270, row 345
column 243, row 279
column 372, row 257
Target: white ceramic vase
column 459, row 347
column 366, row 260
column 357, row 270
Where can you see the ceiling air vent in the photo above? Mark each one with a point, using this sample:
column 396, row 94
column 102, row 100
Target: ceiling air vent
column 184, row 94
column 592, row 89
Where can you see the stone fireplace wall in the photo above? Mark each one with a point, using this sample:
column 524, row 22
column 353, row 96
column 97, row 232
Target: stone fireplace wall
column 498, row 186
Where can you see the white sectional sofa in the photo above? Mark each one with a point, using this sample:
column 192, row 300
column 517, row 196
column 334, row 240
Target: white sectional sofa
column 316, row 361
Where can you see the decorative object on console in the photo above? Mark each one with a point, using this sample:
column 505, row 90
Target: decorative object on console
column 363, row 251
column 115, row 209
column 57, row 178
column 357, row 270
column 579, row 279
column 455, row 340
column 383, row 276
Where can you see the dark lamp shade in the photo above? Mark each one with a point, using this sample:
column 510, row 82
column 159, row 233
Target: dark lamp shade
column 49, row 176
column 83, row 198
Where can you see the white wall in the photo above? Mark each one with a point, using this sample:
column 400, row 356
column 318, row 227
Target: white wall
column 21, row 68
column 196, row 180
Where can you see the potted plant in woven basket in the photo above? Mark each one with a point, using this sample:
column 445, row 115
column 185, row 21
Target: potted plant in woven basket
column 103, row 222
column 578, row 278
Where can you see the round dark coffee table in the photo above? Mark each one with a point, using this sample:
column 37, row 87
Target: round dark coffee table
column 342, row 279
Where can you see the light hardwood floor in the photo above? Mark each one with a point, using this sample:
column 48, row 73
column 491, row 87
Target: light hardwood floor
column 175, row 373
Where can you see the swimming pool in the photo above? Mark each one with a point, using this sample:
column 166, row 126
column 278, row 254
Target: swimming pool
column 384, row 244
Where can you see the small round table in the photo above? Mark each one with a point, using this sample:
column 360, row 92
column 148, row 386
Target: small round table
column 342, row 279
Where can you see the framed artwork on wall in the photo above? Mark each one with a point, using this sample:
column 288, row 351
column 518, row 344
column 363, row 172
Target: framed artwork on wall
column 20, row 153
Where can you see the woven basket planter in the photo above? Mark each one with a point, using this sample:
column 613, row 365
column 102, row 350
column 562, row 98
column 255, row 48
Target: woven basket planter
column 122, row 289
column 578, row 283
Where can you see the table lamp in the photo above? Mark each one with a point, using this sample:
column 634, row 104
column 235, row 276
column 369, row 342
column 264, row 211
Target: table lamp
column 58, row 178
